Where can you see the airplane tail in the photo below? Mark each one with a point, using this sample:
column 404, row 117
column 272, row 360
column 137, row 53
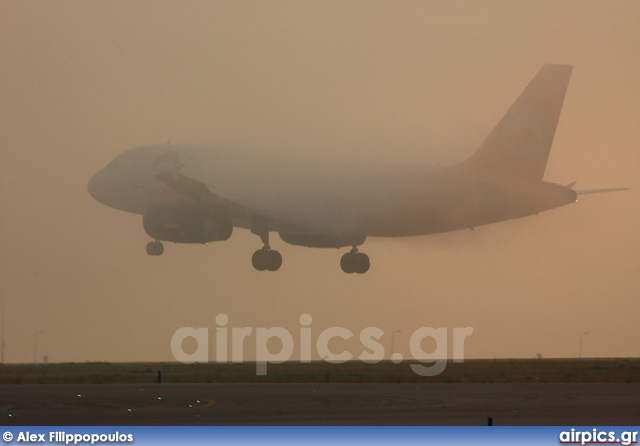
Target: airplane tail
column 520, row 144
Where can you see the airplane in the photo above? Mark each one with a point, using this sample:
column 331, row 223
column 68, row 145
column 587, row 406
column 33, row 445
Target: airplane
column 189, row 194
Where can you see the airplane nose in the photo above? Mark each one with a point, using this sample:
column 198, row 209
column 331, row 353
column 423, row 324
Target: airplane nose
column 94, row 187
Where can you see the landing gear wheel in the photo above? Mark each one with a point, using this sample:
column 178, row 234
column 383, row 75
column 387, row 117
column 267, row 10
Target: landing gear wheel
column 274, row 260
column 355, row 262
column 362, row 263
column 266, row 260
column 259, row 260
column 348, row 263
column 155, row 248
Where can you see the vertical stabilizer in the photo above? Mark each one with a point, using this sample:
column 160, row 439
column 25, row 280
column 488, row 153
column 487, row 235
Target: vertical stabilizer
column 520, row 143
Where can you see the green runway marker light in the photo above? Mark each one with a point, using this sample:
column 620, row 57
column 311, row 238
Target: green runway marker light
column 79, row 396
column 10, row 415
column 198, row 401
column 159, row 397
column 129, row 410
column 190, row 405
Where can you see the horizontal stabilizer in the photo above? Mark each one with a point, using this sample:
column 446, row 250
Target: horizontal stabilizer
column 598, row 191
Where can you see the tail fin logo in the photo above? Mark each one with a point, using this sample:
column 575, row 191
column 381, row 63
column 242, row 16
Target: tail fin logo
column 524, row 135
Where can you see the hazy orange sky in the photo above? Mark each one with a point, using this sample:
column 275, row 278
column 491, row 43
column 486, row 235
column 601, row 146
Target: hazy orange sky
column 407, row 82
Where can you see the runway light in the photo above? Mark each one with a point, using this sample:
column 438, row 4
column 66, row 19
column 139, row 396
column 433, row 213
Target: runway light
column 79, row 396
column 159, row 397
column 10, row 415
column 190, row 405
column 198, row 401
column 130, row 410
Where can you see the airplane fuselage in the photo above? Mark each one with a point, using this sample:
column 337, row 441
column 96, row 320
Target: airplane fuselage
column 435, row 201
column 198, row 195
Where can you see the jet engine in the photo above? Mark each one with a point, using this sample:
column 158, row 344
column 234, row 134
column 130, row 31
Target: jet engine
column 186, row 222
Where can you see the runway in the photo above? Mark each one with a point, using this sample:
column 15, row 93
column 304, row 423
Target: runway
column 321, row 404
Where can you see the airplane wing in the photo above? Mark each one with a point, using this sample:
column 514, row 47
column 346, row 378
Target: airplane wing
column 300, row 200
column 199, row 191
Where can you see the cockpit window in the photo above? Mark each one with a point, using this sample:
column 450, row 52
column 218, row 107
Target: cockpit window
column 168, row 157
column 114, row 164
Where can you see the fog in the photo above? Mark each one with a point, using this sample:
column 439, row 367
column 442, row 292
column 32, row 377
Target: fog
column 371, row 84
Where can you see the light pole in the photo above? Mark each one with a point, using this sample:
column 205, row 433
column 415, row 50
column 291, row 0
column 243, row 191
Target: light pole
column 393, row 341
column 580, row 343
column 2, row 330
column 210, row 340
column 35, row 346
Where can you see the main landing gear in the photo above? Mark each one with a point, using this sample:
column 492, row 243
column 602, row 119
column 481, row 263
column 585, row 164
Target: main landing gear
column 355, row 262
column 155, row 248
column 265, row 259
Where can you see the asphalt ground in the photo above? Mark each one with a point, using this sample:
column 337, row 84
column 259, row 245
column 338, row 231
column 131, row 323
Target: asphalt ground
column 320, row 404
